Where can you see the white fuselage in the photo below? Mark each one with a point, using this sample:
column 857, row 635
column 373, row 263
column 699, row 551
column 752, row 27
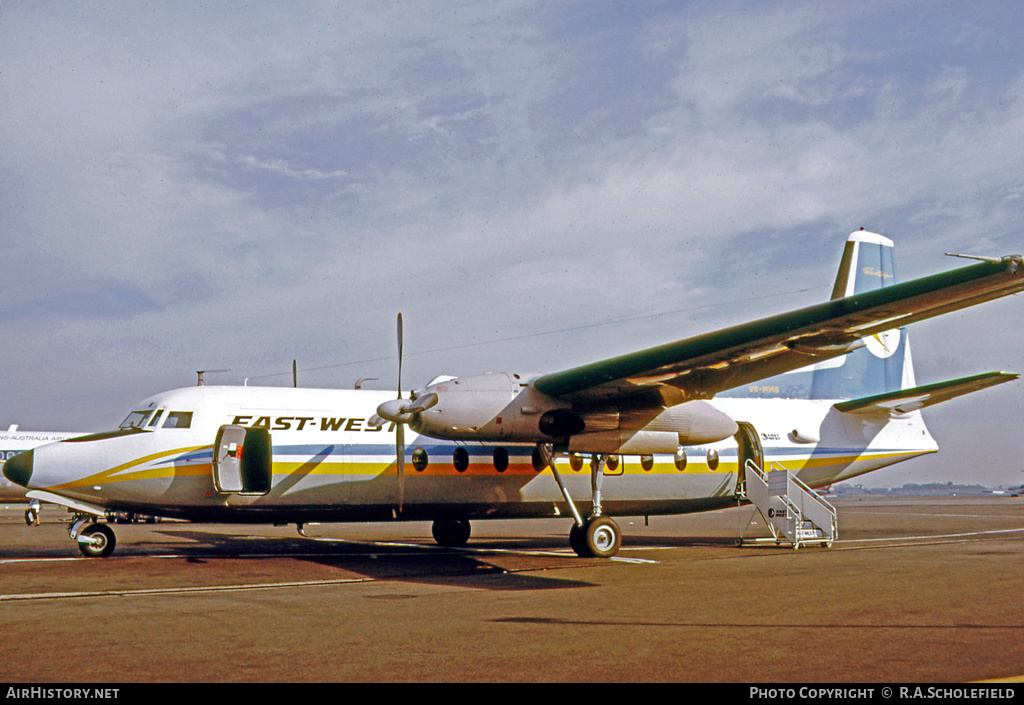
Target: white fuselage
column 330, row 463
column 14, row 442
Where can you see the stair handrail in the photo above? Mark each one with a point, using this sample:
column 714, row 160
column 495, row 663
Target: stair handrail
column 806, row 488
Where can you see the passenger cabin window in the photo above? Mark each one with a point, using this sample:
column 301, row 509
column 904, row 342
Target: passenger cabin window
column 136, row 419
column 178, row 419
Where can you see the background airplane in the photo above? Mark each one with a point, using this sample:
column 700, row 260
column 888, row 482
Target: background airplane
column 12, row 442
column 824, row 393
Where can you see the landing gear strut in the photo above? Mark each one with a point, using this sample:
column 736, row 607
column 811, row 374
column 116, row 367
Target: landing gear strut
column 598, row 536
column 32, row 513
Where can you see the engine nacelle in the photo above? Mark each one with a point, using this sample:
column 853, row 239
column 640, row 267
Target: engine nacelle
column 506, row 407
column 489, row 407
column 690, row 423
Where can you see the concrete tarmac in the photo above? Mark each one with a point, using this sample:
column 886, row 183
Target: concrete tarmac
column 914, row 591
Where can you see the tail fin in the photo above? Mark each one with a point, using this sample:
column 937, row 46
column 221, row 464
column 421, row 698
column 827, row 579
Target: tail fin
column 882, row 365
column 867, row 264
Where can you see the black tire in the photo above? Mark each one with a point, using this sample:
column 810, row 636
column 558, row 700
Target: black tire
column 603, row 537
column 578, row 541
column 452, row 533
column 102, row 541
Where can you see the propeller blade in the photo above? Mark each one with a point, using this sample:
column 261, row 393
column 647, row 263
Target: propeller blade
column 400, row 453
column 394, row 411
column 399, row 355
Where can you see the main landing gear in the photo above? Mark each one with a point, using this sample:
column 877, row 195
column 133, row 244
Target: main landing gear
column 452, row 533
column 598, row 536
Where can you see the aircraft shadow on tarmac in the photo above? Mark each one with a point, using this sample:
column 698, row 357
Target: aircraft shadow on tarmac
column 405, row 562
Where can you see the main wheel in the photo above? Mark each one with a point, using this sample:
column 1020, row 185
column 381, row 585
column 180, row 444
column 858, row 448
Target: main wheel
column 450, row 532
column 578, row 541
column 100, row 541
column 603, row 537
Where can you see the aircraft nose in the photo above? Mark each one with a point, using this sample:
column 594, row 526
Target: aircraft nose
column 19, row 468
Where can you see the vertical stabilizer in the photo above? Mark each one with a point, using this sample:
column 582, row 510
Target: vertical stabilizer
column 881, row 365
column 868, row 264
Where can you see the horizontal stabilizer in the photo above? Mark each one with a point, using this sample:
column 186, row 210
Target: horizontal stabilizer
column 908, row 400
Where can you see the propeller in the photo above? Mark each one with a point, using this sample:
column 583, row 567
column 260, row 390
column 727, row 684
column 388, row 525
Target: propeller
column 400, row 428
column 401, row 412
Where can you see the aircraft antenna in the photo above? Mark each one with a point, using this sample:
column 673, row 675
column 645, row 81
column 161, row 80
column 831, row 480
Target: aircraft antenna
column 200, row 373
column 977, row 257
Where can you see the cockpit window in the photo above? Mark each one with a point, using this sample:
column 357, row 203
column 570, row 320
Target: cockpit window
column 136, row 419
column 178, row 419
column 156, row 418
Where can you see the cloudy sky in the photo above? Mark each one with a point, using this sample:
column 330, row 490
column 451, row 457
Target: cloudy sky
column 535, row 185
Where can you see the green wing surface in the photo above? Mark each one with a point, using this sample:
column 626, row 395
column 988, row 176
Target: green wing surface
column 702, row 366
column 908, row 400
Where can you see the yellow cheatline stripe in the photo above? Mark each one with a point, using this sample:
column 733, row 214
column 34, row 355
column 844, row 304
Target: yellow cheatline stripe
column 165, row 472
column 107, row 475
column 631, row 467
column 375, row 468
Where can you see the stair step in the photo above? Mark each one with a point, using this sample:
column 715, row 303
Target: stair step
column 804, row 516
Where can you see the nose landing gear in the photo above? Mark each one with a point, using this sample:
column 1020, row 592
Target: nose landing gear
column 32, row 513
column 95, row 540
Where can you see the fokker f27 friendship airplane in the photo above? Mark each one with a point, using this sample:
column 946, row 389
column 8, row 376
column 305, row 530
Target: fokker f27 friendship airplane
column 828, row 391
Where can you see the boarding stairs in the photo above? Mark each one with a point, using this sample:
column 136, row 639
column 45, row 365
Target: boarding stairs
column 792, row 511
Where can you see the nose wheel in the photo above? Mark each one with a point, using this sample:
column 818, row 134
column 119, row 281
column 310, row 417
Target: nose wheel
column 95, row 540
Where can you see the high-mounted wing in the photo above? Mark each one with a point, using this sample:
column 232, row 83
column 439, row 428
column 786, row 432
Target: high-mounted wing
column 651, row 401
column 702, row 366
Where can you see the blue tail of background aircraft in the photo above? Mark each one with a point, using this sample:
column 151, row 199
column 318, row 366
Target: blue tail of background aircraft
column 881, row 365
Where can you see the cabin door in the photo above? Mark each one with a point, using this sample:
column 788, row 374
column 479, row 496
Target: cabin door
column 242, row 460
column 749, row 448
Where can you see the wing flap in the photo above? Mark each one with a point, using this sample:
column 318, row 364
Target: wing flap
column 701, row 366
column 909, row 400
